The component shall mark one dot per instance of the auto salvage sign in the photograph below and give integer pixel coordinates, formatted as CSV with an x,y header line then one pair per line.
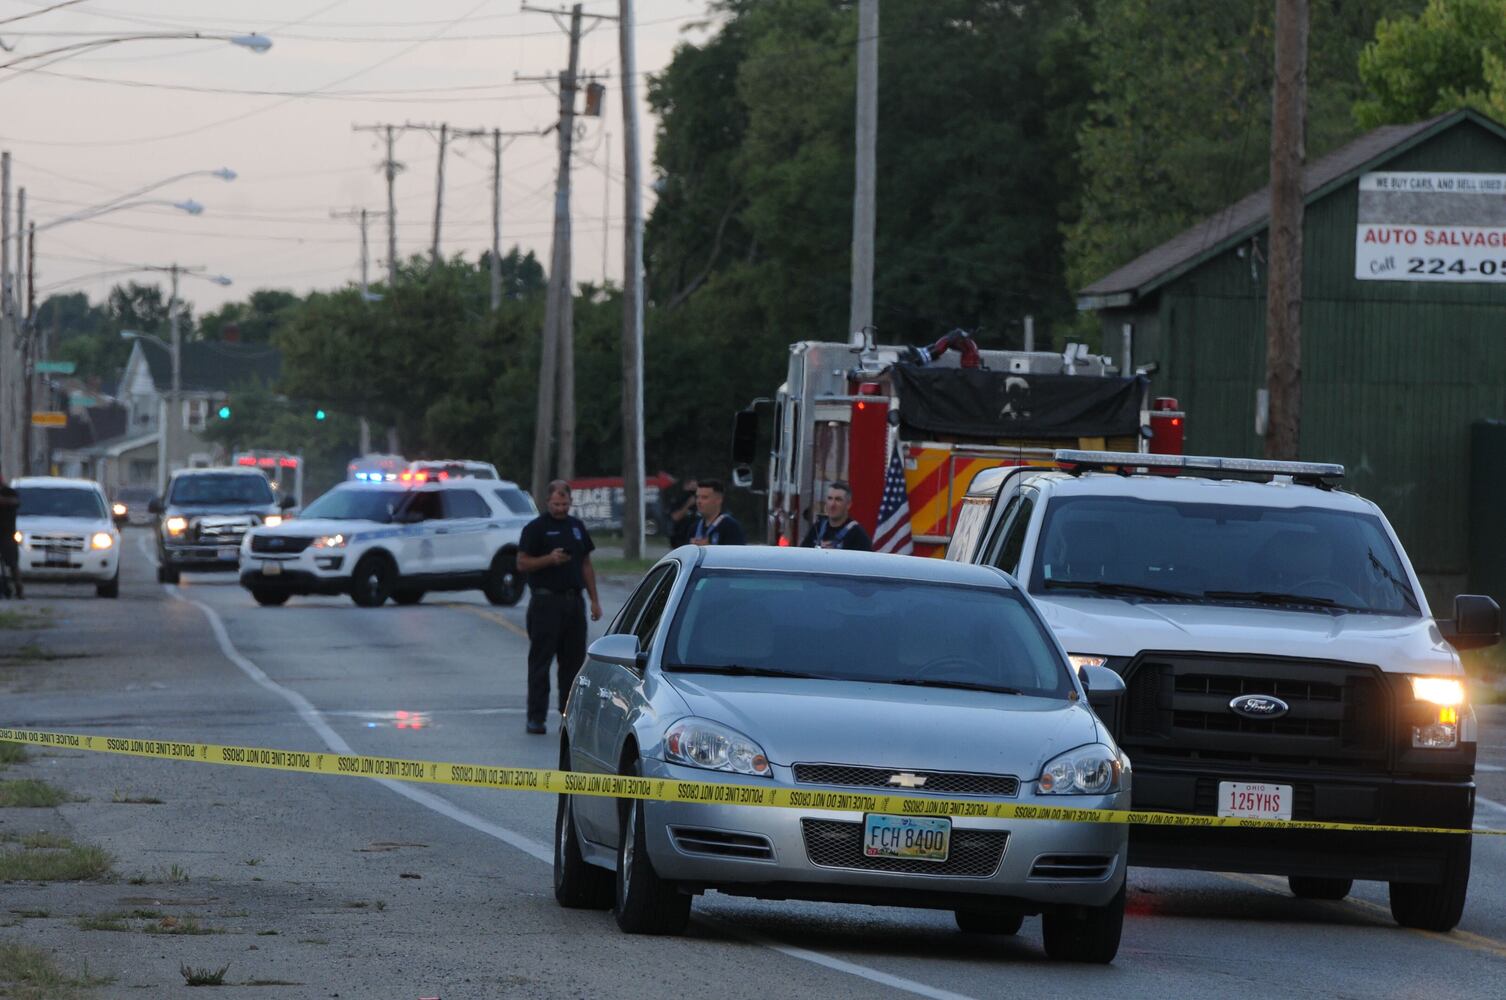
x,y
1431,227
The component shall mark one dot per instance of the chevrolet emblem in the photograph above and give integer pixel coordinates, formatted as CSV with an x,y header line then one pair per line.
x,y
907,780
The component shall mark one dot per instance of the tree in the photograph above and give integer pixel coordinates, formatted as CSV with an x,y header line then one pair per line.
x,y
1450,55
1179,126
253,321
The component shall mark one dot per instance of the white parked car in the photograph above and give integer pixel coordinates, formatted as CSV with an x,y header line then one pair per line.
x,y
66,534
375,540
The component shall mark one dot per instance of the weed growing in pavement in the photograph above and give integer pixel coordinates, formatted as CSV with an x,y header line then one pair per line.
x,y
42,839
34,974
175,873
357,904
270,982
65,861
253,862
134,800
313,941
102,922
266,933
380,904
145,914
12,753
29,793
23,619
203,977
32,914
188,925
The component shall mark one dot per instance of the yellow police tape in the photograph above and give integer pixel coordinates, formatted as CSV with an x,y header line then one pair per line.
x,y
533,779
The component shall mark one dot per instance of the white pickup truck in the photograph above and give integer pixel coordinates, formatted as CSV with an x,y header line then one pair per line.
x,y
1279,657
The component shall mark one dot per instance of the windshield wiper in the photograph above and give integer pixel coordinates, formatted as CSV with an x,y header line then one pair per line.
x,y
1275,597
1404,589
960,685
1126,589
740,670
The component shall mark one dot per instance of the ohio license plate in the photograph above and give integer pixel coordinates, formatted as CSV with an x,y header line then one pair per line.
x,y
1254,801
229,552
271,568
913,838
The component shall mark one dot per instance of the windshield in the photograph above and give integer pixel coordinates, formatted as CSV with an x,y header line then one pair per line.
x,y
59,501
356,505
1121,546
860,629
221,488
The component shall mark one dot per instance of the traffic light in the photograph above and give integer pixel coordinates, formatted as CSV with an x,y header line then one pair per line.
x,y
319,414
224,411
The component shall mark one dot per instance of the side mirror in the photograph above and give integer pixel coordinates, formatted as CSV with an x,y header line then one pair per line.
x,y
120,520
1476,623
620,649
742,477
1101,680
1105,696
154,505
287,503
744,438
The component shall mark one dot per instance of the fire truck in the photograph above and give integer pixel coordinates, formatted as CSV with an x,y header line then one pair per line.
x,y
950,409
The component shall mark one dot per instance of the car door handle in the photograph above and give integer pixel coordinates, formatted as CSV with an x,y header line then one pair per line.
x,y
604,694
441,531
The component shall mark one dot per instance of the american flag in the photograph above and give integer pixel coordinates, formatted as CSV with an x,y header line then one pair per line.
x,y
893,533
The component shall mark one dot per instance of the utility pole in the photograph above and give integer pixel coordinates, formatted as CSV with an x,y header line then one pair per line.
x,y
860,316
606,204
1284,289
557,361
362,216
10,374
444,141
390,167
634,469
496,267
174,415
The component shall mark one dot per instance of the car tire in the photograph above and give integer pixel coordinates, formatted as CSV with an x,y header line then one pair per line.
x,y
989,921
643,902
1085,933
270,598
166,573
1435,907
1314,887
372,581
110,588
504,584
578,884
407,598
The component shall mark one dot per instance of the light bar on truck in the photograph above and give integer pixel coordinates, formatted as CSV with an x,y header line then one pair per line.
x,y
1202,463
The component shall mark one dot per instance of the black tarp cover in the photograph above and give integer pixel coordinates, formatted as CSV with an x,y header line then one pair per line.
x,y
978,403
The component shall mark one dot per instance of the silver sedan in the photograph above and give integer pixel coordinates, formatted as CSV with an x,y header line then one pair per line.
x,y
839,672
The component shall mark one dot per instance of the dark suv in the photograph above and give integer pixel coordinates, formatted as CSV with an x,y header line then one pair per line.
x,y
204,516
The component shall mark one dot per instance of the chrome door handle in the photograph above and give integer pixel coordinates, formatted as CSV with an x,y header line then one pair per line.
x,y
441,531
603,693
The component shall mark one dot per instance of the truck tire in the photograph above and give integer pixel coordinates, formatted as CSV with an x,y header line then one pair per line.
x,y
166,573
110,588
1085,933
373,580
1313,887
269,598
407,598
1438,906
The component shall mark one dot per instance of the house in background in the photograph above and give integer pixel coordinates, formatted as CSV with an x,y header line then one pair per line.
x,y
139,454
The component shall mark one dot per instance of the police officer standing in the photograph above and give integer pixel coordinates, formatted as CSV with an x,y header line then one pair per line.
x,y
714,526
555,551
10,553
837,530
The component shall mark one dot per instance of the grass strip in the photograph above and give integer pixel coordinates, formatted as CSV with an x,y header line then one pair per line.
x,y
30,974
29,793
71,863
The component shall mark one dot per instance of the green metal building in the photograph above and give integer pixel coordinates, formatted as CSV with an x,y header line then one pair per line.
x,y
1403,334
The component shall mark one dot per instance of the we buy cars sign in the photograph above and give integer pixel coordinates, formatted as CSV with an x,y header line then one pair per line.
x,y
1415,226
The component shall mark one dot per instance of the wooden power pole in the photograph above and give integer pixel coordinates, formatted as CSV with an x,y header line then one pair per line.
x,y
633,468
1283,321
860,315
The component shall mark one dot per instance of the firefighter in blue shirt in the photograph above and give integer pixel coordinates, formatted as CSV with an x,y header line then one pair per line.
x,y
837,530
714,526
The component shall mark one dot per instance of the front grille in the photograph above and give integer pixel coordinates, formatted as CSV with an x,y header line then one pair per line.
x,y
279,544
1079,867
73,543
949,782
720,844
1178,707
221,534
833,844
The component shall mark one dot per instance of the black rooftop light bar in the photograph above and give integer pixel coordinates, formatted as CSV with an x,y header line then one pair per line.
x,y
1122,460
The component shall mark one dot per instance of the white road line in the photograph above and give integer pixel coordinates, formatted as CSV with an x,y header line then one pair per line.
x,y
533,848
1488,767
1490,804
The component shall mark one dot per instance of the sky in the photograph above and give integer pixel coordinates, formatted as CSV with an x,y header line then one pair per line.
x,y
156,108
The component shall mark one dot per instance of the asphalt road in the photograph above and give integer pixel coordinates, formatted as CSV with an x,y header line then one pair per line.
x,y
356,888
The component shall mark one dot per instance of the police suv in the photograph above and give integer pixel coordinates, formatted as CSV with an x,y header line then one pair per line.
x,y
1279,658
375,540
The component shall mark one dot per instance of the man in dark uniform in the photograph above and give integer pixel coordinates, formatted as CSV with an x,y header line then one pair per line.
x,y
10,552
682,514
555,552
836,530
714,526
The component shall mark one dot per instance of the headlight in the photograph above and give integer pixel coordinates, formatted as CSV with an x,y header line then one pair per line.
x,y
1438,690
118,509
1080,660
1090,770
330,542
20,538
1443,696
101,540
699,743
272,520
177,525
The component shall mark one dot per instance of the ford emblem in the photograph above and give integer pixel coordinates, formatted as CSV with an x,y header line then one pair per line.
x,y
1259,706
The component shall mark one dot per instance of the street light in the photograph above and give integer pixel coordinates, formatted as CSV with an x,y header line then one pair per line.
x,y
187,205
223,173
254,42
